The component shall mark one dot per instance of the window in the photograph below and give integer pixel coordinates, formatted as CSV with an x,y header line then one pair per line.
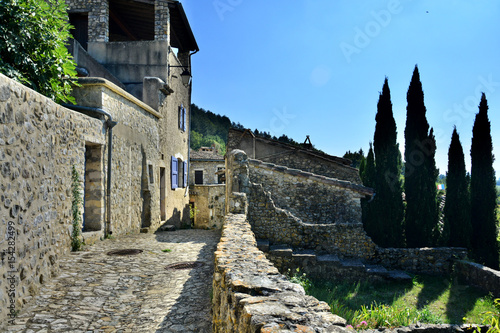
x,y
179,173
198,177
180,168
182,118
221,175
151,176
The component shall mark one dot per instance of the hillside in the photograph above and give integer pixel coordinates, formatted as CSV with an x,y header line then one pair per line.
x,y
208,128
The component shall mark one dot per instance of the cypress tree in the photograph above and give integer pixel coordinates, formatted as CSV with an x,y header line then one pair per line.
x,y
388,200
368,210
420,170
483,191
457,226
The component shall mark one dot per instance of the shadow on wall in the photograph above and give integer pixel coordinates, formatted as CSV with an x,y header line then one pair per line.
x,y
145,192
180,219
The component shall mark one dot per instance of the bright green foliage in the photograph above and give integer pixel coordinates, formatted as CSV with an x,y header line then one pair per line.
x,y
369,213
492,318
208,128
457,228
420,170
388,201
483,191
33,34
75,210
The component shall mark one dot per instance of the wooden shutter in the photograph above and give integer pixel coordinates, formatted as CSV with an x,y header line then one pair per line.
x,y
174,173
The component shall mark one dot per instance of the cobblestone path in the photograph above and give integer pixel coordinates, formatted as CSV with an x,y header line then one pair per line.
x,y
96,292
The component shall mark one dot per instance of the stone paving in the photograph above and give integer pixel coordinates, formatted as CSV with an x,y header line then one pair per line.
x,y
96,292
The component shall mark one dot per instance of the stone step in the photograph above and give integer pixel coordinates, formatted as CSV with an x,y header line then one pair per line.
x,y
328,258
281,250
263,245
352,263
397,276
376,269
167,227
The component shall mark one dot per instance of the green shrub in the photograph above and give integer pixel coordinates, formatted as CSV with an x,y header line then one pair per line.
x,y
33,34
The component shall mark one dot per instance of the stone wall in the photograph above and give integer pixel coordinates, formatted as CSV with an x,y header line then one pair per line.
x,y
249,294
478,275
293,157
312,198
98,16
208,202
434,260
40,142
343,239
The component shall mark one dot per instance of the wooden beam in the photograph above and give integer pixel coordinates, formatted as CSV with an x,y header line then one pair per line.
x,y
122,25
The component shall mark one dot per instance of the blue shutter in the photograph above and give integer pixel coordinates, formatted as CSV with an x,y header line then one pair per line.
x,y
185,173
174,173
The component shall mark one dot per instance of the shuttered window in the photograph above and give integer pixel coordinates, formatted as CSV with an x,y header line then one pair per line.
x,y
174,173
182,118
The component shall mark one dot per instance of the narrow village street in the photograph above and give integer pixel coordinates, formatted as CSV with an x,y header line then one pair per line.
x,y
99,292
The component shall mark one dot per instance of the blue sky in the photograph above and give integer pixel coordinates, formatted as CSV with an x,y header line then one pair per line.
x,y
315,67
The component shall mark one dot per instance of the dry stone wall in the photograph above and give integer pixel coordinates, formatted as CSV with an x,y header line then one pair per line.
x,y
249,294
312,198
40,142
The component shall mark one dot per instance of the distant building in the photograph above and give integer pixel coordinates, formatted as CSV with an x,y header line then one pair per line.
x,y
207,188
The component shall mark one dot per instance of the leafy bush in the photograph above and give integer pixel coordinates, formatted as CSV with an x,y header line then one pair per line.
x,y
33,34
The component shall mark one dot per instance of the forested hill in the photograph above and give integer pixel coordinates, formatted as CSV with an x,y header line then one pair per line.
x,y
208,128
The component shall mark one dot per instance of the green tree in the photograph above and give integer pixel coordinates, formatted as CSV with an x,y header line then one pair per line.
x,y
356,158
367,170
388,199
33,34
420,171
483,191
457,225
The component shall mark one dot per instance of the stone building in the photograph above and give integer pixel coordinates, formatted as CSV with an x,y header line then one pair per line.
x,y
295,157
207,189
144,48
127,136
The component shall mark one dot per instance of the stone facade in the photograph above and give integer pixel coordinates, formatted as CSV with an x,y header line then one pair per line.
x,y
293,157
150,70
134,194
208,204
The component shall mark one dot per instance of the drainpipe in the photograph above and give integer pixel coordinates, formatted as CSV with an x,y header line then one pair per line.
x,y
110,124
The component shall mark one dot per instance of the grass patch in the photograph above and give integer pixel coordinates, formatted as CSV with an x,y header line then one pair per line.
x,y
426,299
166,250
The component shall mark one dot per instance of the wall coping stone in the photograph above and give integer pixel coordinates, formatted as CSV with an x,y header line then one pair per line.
x,y
251,296
322,179
98,81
